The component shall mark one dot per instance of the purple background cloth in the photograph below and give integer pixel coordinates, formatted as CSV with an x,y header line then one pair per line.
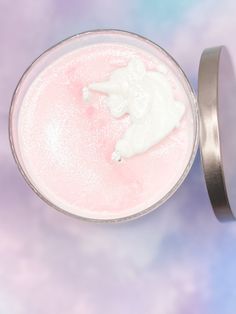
x,y
175,260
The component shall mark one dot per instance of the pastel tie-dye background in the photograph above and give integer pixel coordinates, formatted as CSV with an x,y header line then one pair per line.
x,y
176,260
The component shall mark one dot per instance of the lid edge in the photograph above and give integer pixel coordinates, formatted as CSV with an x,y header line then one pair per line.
x,y
210,148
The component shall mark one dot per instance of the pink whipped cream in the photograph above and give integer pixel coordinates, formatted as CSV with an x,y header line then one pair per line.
x,y
67,137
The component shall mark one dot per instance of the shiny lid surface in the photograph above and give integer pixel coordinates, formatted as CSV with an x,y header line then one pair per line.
x,y
217,105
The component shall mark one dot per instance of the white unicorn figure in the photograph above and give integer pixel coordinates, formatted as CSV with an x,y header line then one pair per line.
x,y
147,97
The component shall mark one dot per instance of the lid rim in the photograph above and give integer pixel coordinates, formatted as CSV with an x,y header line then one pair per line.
x,y
210,146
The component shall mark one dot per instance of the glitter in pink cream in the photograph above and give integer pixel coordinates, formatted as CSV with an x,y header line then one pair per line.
x,y
66,142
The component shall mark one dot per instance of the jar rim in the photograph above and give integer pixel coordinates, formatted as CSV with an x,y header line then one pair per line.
x,y
195,113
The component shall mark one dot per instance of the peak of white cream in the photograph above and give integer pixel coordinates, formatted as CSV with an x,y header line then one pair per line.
x,y
148,98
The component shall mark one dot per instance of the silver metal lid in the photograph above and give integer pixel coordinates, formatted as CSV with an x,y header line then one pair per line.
x,y
217,105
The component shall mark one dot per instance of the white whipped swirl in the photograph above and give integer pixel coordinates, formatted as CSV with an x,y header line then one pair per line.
x,y
148,98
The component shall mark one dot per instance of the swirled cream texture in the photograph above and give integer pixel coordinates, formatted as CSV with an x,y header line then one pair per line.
x,y
148,98
102,101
